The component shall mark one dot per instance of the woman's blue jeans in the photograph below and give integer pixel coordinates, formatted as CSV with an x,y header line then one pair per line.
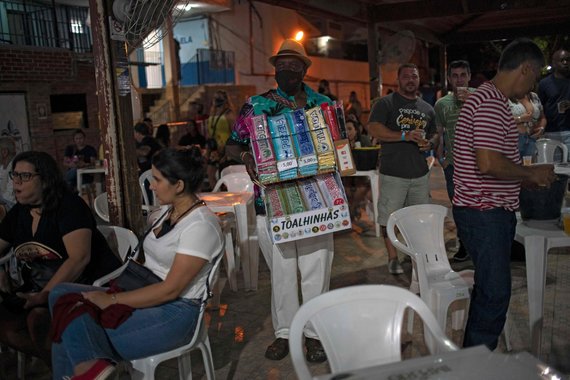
x,y
488,236
527,145
147,332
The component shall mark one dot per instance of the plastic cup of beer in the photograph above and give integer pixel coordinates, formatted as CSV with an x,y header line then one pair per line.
x,y
527,160
461,93
566,220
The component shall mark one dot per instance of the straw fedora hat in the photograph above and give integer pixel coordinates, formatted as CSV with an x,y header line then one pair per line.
x,y
291,48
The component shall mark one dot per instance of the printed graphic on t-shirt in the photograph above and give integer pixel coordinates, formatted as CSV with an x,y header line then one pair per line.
x,y
410,119
32,251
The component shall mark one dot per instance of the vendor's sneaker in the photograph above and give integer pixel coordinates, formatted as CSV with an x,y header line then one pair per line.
x,y
394,267
278,349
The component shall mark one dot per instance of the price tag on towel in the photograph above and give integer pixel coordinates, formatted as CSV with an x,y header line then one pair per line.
x,y
286,164
308,160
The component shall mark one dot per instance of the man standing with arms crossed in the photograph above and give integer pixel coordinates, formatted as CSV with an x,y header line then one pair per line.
x,y
402,121
488,176
446,113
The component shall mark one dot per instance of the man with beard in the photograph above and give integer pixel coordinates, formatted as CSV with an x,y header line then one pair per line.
x,y
554,93
311,257
405,125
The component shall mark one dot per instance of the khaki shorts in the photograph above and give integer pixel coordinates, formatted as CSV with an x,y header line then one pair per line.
x,y
397,193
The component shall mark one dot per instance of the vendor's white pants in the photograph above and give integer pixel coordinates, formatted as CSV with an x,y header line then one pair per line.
x,y
312,257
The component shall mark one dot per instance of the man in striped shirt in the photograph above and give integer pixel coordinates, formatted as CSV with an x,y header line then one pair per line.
x,y
487,178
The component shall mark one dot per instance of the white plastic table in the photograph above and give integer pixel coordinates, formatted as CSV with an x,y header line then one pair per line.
x,y
472,363
241,204
537,240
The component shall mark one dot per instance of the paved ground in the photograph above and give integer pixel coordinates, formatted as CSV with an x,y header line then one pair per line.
x,y
241,329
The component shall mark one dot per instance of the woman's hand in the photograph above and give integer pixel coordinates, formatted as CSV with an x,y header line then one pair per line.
x,y
34,299
99,298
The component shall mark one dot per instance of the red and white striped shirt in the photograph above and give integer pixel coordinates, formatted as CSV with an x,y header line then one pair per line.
x,y
485,122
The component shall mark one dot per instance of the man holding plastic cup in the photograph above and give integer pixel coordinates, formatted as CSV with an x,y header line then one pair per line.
x,y
405,124
446,113
311,257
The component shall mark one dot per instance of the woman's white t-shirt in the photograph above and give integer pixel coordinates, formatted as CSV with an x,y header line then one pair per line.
x,y
196,234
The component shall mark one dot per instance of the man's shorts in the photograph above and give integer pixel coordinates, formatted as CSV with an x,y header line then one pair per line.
x,y
397,193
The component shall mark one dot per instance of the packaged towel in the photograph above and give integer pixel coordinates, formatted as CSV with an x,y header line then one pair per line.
x,y
263,149
311,194
283,147
304,148
321,139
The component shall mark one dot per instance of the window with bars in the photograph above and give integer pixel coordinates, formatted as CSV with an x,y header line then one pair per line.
x,y
34,23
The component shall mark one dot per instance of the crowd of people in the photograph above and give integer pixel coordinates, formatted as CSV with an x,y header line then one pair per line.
x,y
478,134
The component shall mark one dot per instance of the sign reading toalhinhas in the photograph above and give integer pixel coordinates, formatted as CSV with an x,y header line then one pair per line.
x,y
310,223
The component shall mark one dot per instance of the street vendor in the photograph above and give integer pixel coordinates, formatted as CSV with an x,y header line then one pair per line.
x,y
312,256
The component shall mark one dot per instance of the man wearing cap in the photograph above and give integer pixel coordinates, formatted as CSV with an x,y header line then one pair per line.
x,y
312,257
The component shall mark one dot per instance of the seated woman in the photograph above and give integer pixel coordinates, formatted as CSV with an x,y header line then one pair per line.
x,y
55,240
358,192
180,250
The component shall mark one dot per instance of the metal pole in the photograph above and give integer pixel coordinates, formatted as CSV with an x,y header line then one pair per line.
x,y
373,68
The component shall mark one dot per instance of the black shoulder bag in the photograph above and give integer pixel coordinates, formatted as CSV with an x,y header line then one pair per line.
x,y
134,274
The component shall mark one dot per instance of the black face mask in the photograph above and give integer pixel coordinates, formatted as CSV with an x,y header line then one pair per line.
x,y
289,81
219,102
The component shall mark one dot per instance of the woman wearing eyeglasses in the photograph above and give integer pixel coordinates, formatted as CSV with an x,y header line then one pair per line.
x,y
179,249
55,239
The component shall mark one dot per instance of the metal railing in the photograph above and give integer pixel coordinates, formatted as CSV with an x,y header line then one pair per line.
x,y
33,23
209,66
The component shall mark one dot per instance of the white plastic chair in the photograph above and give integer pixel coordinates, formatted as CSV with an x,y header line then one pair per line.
x,y
359,326
126,241
147,366
545,149
235,182
148,203
101,206
439,286
233,169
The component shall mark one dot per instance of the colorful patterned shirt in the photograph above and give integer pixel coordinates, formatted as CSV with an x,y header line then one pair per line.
x,y
271,103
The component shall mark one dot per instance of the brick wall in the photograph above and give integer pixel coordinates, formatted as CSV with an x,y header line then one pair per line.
x,y
41,72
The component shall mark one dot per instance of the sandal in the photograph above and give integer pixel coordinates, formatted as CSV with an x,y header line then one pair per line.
x,y
315,351
278,349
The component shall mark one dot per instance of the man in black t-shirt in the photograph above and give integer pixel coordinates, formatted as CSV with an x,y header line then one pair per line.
x,y
192,137
405,125
76,156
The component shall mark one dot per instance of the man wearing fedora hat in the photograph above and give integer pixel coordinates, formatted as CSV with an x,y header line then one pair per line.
x,y
311,257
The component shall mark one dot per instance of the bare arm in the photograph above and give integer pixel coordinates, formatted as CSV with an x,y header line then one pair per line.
x,y
493,163
184,269
385,134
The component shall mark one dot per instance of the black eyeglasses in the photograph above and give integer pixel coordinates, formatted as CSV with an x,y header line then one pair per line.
x,y
22,177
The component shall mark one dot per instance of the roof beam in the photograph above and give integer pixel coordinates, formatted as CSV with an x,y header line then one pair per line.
x,y
511,33
421,9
